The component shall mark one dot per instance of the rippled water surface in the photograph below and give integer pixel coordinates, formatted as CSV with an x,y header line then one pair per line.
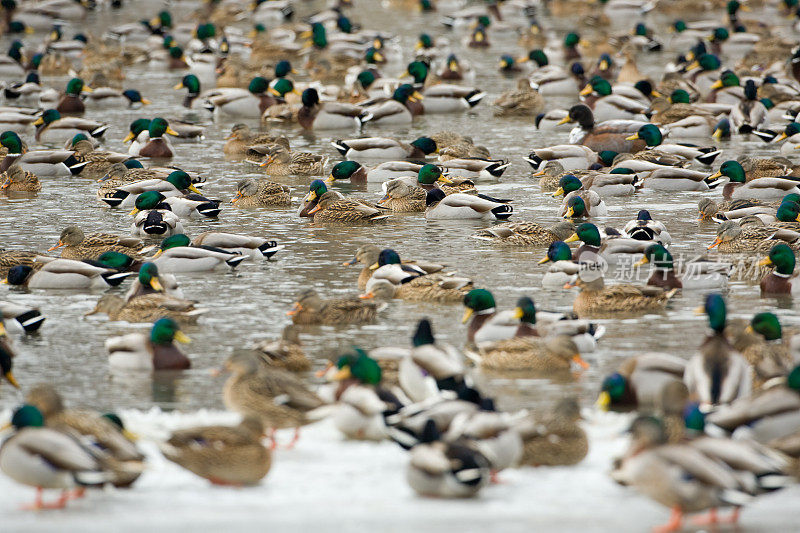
x,y
250,303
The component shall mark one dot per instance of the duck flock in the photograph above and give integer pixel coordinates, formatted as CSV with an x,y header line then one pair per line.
x,y
391,131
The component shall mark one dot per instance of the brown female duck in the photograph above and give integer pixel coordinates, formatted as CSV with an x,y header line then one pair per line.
x,y
609,135
597,299
17,180
261,193
309,308
77,245
286,352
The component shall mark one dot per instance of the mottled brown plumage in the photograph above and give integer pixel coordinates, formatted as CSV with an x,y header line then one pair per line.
x,y
311,309
261,193
76,245
148,308
555,438
597,299
526,233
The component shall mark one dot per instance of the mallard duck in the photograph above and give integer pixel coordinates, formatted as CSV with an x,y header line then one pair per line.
x,y
417,287
151,217
241,138
148,308
40,162
569,156
20,317
385,148
286,352
347,170
597,299
525,233
6,357
49,459
644,228
730,209
440,206
733,238
176,254
620,181
717,374
149,279
779,281
576,208
553,80
157,146
522,101
250,102
247,245
653,138
251,192
400,109
400,196
555,438
99,429
570,186
99,162
276,397
696,275
12,258
530,354
611,135
697,475
177,184
65,274
445,470
71,103
369,255
316,115
110,97
52,128
224,455
639,381
749,114
330,208
17,180
763,345
156,351
606,105
738,187
768,416
284,163
309,308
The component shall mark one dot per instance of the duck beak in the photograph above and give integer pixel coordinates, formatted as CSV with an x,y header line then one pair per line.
x,y
518,313
570,213
580,360
643,261
194,189
716,243
296,308
716,85
384,199
714,176
310,197
158,253
129,137
6,184
295,91
237,197
693,65
57,246
178,86
11,379
329,180
603,401
540,172
632,137
38,122
134,211
765,262
655,94
699,310
87,89
351,262
273,91
717,133
564,120
367,296
586,91
156,285
374,266
267,161
182,337
417,95
574,237
316,208
321,373
172,132
467,314
445,179
145,101
568,285
781,137
342,374
543,260
558,192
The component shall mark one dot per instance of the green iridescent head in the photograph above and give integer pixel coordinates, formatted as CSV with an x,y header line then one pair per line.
x,y
75,87
158,127
27,416
525,310
164,331
576,207
659,257
733,170
12,141
539,57
429,174
680,96
423,334
425,144
588,233
175,241
479,300
258,85
650,134
767,325
360,366
783,258
344,170
567,184
559,251
115,260
419,71
571,40
716,312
